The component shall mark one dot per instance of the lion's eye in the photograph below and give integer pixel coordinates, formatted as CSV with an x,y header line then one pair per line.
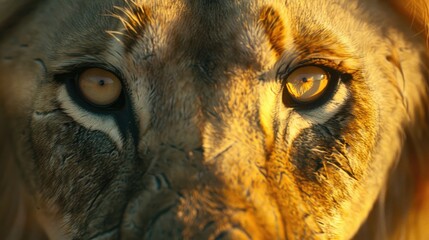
x,y
99,87
306,85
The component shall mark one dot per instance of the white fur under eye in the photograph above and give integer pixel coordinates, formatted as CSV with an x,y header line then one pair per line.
x,y
303,119
105,124
326,111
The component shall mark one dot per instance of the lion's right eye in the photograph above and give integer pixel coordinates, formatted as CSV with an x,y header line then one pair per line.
x,y
309,86
99,87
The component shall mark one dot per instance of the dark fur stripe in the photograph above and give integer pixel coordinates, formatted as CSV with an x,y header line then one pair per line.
x,y
274,28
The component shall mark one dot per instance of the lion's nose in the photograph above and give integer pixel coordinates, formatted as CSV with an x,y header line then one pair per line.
x,y
233,234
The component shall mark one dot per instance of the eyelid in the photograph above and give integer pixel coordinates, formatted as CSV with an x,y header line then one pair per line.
x,y
71,69
286,69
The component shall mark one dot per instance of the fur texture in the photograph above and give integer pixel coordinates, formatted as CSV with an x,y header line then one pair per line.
x,y
203,146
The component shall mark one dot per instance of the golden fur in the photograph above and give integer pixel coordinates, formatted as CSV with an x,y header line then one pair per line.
x,y
204,147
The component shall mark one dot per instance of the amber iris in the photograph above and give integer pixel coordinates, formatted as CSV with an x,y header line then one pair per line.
x,y
99,87
307,84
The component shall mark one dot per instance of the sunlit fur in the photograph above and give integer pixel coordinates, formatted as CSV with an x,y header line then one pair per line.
x,y
206,148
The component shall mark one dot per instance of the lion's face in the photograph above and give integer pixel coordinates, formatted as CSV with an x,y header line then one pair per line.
x,y
213,119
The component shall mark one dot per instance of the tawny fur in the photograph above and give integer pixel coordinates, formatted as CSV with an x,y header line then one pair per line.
x,y
215,148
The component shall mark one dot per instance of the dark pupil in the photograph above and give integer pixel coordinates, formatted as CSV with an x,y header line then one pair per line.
x,y
101,82
304,79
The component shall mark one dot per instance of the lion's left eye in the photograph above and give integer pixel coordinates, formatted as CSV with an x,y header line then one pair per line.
x,y
306,86
99,87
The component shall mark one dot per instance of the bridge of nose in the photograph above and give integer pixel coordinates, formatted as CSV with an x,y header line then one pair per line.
x,y
208,148
204,133
208,190
208,152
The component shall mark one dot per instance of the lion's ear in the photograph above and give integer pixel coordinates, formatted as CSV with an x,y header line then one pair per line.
x,y
417,13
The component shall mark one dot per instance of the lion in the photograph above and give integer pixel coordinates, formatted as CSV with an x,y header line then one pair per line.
x,y
199,119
